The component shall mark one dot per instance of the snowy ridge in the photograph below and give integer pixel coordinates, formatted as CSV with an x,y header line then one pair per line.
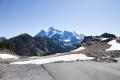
x,y
70,57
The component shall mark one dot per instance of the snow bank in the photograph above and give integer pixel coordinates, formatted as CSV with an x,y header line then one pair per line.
x,y
7,56
70,57
78,49
114,45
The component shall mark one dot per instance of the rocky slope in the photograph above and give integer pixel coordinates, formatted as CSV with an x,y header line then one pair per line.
x,y
103,48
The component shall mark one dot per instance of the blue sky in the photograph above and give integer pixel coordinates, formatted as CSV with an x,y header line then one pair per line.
x,y
89,17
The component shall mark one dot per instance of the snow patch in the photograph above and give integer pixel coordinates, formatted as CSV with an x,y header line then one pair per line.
x,y
78,49
103,39
67,40
77,33
54,32
114,45
70,57
7,56
78,37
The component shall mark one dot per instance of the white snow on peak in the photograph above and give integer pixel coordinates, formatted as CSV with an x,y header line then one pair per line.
x,y
77,37
70,57
8,56
78,49
103,39
76,33
114,45
54,32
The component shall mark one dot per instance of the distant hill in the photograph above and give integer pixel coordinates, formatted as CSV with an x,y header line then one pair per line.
x,y
26,45
2,39
97,43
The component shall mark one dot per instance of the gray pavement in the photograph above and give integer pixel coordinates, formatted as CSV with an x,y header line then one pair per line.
x,y
84,71
79,70
23,72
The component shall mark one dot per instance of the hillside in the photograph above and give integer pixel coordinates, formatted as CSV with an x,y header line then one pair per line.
x,y
105,47
26,45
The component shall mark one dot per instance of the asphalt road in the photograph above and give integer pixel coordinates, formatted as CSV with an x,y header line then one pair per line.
x,y
81,70
84,71
23,72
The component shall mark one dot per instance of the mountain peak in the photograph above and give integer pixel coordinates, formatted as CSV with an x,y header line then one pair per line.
x,y
24,34
51,29
61,36
108,35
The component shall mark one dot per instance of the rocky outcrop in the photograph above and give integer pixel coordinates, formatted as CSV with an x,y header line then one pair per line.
x,y
104,56
108,35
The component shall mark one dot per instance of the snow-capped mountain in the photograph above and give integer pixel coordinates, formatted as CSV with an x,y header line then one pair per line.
x,y
62,36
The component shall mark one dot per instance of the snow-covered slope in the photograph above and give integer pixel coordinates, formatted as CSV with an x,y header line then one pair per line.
x,y
114,45
70,57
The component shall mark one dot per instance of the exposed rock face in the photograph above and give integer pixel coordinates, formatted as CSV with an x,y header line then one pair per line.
x,y
108,35
23,45
104,56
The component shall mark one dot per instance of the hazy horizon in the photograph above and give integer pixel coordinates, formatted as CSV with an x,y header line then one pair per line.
x,y
89,17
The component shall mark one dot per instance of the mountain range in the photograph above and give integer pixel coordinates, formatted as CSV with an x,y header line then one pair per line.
x,y
71,38
44,43
52,41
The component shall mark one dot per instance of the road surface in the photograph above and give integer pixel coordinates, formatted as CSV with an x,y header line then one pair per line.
x,y
84,71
